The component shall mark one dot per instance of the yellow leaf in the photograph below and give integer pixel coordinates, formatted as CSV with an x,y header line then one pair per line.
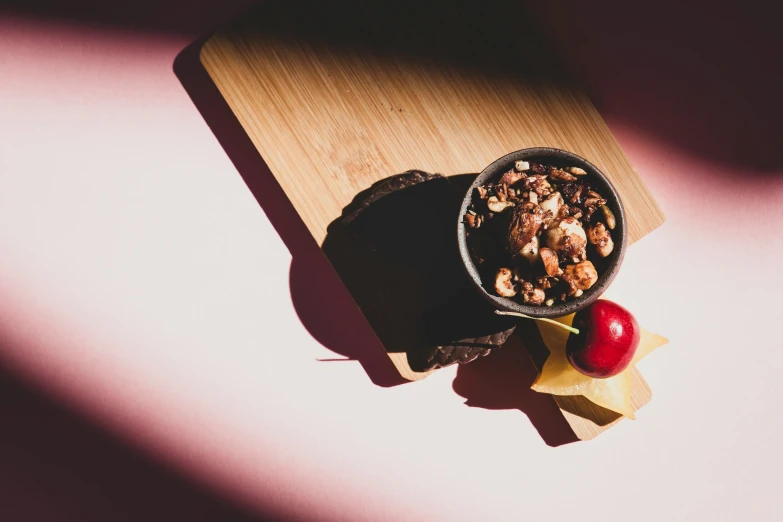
x,y
559,377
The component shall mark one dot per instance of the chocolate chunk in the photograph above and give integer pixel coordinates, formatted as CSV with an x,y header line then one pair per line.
x,y
538,168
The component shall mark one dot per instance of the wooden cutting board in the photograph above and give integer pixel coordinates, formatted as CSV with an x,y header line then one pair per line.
x,y
338,96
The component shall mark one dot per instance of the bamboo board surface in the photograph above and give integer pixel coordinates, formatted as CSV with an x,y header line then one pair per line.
x,y
337,97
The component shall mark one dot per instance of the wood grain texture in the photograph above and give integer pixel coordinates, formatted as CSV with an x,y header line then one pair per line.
x,y
337,97
589,420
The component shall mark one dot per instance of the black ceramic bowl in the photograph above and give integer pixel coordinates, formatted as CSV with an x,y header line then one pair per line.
x,y
610,265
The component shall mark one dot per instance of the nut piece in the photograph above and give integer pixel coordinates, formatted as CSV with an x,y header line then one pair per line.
x,y
503,284
573,192
511,177
575,211
576,171
533,297
473,220
482,192
568,239
495,205
609,215
538,184
530,250
521,165
594,202
544,282
551,262
599,236
538,168
523,227
580,277
553,203
560,175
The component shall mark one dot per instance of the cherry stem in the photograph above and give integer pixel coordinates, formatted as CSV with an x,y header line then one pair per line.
x,y
550,321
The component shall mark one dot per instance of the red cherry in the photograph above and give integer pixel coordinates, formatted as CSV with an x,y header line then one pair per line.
x,y
607,340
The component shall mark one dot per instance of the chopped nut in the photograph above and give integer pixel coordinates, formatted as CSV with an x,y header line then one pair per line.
x,y
594,202
561,175
530,250
534,297
538,168
599,236
569,190
589,211
544,282
580,276
503,284
548,218
567,238
555,217
523,227
495,205
551,261
511,177
521,165
575,211
538,184
578,195
553,203
606,249
609,215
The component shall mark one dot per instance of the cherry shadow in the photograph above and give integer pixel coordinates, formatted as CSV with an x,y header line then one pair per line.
x,y
58,466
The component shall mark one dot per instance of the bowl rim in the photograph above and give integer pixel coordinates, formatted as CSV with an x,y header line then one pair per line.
x,y
608,191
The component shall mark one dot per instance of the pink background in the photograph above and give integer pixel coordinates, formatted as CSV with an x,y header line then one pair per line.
x,y
153,364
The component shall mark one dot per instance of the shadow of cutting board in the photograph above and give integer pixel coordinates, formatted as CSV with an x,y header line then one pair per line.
x,y
340,95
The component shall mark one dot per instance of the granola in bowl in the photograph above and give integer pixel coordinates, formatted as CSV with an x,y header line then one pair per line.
x,y
541,231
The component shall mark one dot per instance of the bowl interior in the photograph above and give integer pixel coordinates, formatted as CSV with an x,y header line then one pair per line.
x,y
610,265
